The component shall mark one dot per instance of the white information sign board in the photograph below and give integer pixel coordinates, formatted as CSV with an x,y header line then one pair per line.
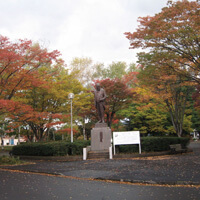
x,y
128,137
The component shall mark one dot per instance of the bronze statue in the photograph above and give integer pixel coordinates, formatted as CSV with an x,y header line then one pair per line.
x,y
99,98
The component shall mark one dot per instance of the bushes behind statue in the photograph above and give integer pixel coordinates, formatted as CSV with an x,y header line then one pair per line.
x,y
58,148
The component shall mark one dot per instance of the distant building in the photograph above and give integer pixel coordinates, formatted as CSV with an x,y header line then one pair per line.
x,y
10,141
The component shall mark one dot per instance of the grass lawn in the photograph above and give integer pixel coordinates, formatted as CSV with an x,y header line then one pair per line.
x,y
6,148
7,160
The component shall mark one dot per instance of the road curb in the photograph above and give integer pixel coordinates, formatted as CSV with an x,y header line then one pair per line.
x,y
117,180
170,183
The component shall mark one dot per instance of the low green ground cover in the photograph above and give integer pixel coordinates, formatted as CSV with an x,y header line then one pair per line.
x,y
6,148
7,160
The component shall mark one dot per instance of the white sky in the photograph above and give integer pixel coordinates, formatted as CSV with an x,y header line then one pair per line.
x,y
78,28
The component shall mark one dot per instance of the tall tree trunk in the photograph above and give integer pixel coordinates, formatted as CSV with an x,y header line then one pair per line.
x,y
177,112
110,118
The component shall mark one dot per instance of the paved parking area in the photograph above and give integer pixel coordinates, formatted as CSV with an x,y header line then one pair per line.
x,y
183,169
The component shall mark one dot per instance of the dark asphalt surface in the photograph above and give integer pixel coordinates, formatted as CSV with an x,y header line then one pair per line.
x,y
180,169
28,186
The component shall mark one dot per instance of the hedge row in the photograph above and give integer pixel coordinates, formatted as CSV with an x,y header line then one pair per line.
x,y
59,148
154,144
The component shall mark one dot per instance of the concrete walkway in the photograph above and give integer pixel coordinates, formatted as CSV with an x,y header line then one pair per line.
x,y
180,169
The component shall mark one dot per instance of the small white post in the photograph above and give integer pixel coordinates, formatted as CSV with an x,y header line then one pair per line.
x,y
139,148
84,153
114,149
110,153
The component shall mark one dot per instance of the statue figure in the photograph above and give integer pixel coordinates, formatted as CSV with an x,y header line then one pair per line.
x,y
99,97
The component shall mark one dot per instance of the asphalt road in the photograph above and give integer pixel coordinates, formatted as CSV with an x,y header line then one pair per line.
x,y
29,186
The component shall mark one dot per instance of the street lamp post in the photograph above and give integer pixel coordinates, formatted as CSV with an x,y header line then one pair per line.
x,y
71,96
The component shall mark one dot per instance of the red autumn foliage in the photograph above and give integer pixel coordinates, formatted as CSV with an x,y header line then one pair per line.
x,y
19,65
67,130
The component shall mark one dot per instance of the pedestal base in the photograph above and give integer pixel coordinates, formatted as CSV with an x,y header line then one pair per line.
x,y
100,137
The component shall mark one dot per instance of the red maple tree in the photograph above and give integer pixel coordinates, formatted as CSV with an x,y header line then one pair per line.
x,y
19,65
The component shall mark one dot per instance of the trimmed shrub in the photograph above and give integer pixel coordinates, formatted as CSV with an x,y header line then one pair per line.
x,y
59,148
154,144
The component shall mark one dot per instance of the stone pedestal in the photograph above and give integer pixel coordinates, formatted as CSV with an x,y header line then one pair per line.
x,y
100,137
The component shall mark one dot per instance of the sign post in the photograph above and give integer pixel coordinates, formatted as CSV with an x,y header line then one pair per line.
x,y
128,137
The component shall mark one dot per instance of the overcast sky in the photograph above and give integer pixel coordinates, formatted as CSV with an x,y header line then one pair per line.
x,y
78,28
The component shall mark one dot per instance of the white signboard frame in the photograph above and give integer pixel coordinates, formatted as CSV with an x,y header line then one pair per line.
x,y
127,137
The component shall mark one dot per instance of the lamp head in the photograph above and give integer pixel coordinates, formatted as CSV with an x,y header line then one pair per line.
x,y
71,96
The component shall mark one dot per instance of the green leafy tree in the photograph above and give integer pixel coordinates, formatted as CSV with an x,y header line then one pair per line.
x,y
114,70
147,119
83,69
